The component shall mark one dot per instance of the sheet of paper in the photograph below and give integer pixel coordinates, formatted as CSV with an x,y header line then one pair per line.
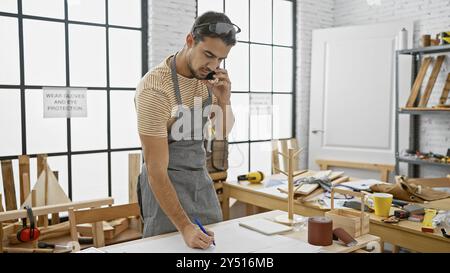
x,y
294,246
91,250
230,238
362,184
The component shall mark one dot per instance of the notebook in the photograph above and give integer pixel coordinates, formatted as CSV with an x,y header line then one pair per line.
x,y
265,226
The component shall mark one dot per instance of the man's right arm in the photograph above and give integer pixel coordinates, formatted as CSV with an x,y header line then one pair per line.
x,y
156,154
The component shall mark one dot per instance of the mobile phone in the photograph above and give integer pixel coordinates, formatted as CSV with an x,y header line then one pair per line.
x,y
210,75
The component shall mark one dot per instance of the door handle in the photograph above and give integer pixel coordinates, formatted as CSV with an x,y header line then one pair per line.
x,y
317,131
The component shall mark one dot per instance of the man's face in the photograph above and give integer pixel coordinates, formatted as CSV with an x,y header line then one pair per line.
x,y
206,55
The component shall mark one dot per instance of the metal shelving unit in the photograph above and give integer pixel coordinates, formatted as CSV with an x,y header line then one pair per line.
x,y
415,113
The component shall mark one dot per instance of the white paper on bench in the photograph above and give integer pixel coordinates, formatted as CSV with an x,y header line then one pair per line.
x,y
229,238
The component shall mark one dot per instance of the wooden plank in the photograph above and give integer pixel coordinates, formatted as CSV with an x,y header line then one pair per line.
x,y
8,185
284,150
431,81
418,82
40,164
1,203
24,168
275,157
41,210
134,164
55,216
445,91
107,214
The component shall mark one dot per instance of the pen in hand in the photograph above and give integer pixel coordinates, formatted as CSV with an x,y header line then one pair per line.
x,y
202,228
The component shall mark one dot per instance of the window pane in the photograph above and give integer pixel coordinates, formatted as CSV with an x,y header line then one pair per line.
x,y
237,11
260,116
240,106
261,21
124,13
282,116
43,135
87,10
44,53
8,6
237,160
89,176
261,157
209,5
124,132
87,55
282,69
125,57
261,68
45,8
10,122
282,22
119,176
9,51
237,67
56,163
91,133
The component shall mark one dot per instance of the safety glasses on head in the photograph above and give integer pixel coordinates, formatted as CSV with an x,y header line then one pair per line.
x,y
219,28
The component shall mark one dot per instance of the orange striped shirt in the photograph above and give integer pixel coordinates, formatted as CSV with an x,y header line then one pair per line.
x,y
155,98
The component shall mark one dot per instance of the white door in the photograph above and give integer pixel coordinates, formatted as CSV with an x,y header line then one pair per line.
x,y
352,106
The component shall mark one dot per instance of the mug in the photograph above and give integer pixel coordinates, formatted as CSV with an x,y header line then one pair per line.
x,y
381,203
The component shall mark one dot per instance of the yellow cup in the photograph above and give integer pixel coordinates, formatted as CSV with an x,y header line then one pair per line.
x,y
381,203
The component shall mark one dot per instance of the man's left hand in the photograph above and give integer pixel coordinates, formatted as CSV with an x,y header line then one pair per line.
x,y
220,86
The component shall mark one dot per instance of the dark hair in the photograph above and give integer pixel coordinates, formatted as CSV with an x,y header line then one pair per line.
x,y
203,31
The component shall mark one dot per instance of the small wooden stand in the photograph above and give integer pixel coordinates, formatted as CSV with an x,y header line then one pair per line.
x,y
288,219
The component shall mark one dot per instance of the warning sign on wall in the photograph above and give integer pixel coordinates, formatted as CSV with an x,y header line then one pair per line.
x,y
61,102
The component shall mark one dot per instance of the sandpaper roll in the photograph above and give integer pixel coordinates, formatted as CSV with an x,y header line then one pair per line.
x,y
342,235
320,231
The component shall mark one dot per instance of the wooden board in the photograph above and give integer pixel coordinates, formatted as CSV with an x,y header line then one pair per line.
x,y
55,195
431,81
24,168
445,91
418,82
134,164
8,185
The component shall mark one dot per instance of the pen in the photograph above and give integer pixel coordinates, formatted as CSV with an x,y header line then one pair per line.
x,y
202,228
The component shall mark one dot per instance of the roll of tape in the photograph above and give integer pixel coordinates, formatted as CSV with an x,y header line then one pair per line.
x,y
320,231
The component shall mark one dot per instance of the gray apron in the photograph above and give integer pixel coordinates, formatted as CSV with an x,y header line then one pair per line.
x,y
188,174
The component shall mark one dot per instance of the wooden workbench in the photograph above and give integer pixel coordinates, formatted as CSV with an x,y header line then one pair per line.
x,y
405,234
300,235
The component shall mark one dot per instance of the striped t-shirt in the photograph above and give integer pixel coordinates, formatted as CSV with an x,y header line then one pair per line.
x,y
155,98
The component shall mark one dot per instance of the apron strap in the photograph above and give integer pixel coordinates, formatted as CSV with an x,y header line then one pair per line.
x,y
173,68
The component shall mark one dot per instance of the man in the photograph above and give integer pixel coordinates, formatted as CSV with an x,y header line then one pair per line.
x,y
175,187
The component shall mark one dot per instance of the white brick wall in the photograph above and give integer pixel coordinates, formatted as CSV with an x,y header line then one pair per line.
x,y
311,15
169,22
431,17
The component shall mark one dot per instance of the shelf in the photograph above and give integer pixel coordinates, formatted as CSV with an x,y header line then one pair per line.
x,y
425,50
424,111
422,162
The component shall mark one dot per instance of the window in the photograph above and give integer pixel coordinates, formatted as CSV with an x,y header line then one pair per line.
x,y
100,45
261,69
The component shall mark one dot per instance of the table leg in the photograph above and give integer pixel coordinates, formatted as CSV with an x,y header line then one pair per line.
x,y
225,204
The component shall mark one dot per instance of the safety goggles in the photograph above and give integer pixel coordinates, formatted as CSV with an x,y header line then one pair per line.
x,y
219,28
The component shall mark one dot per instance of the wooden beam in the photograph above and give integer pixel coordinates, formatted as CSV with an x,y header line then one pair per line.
x,y
431,81
445,91
42,210
55,216
134,164
24,168
418,82
40,164
8,185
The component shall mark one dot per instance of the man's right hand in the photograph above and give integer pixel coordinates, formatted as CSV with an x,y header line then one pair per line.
x,y
195,238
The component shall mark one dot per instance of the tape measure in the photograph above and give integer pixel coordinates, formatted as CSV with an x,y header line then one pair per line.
x,y
427,224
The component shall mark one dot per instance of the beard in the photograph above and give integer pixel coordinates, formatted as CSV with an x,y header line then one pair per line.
x,y
192,70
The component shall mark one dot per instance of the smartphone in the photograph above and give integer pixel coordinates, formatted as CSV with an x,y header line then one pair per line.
x,y
210,75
